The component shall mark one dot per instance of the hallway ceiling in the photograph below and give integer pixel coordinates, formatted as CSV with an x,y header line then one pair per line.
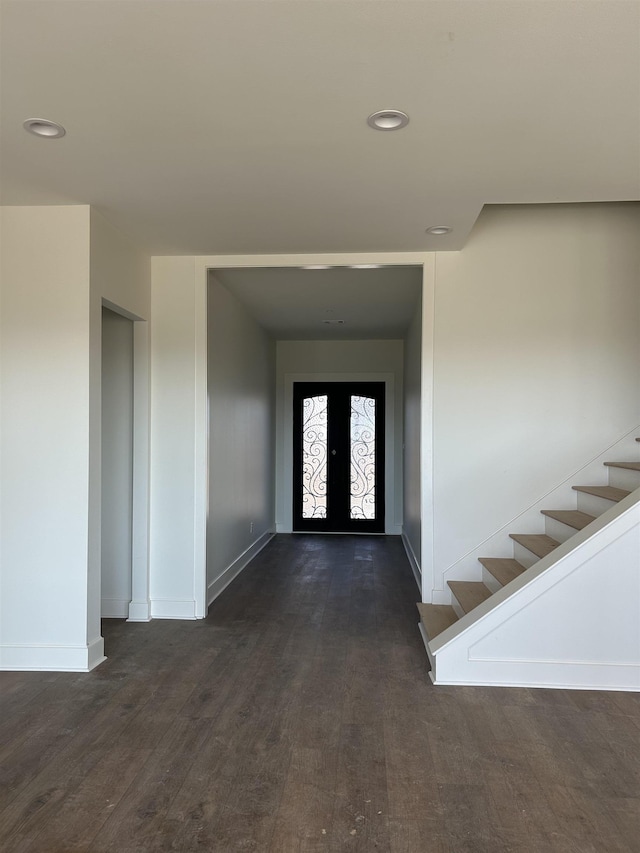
x,y
333,304
239,126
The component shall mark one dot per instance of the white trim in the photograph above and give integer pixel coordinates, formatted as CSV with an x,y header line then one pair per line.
x,y
202,265
413,561
426,427
114,608
217,586
57,658
139,611
167,608
201,448
140,495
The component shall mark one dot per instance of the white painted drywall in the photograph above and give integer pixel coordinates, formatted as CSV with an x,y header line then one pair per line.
x,y
241,390
411,526
58,265
117,463
174,363
536,357
45,439
325,360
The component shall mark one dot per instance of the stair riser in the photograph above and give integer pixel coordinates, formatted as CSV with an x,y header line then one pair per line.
x,y
558,530
489,581
456,606
523,555
593,505
623,478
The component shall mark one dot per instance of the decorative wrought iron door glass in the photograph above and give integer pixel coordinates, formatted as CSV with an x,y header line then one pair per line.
x,y
363,457
314,457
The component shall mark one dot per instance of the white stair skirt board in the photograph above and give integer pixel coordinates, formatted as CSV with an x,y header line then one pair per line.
x,y
233,570
570,621
114,608
530,520
52,658
167,608
413,561
139,611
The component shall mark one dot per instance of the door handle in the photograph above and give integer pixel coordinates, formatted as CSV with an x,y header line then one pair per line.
x,y
333,452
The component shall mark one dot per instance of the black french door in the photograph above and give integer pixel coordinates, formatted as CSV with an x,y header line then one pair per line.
x,y
338,457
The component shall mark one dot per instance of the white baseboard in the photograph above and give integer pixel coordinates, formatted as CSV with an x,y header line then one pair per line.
x,y
167,608
139,611
233,570
41,657
413,561
114,608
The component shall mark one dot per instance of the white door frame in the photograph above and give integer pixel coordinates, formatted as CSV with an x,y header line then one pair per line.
x,y
203,264
139,607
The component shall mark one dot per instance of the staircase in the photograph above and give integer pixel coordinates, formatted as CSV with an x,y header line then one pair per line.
x,y
598,506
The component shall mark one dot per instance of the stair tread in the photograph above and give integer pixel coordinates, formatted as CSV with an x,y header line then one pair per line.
x,y
538,544
609,493
631,466
504,570
469,594
572,517
436,618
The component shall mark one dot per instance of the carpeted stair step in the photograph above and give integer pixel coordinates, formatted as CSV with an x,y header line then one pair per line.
x,y
503,570
436,618
538,544
609,493
571,517
469,594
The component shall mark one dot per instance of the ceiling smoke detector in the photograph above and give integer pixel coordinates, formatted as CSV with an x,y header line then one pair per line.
x,y
439,230
45,128
388,120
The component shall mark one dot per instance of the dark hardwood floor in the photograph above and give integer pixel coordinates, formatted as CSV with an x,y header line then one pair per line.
x,y
299,717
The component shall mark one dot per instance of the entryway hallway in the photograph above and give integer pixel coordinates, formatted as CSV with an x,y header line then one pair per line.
x,y
299,716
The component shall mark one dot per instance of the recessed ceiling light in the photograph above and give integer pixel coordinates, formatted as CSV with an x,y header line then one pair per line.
x,y
388,120
44,127
316,267
439,230
365,266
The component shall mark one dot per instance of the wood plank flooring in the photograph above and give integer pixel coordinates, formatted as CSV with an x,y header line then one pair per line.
x,y
299,718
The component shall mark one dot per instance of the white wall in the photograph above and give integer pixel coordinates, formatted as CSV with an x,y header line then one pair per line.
x,y
411,527
57,265
117,463
333,360
177,531
45,439
536,357
241,390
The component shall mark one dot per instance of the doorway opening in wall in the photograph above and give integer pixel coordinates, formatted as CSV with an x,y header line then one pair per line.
x,y
271,329
123,590
117,465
